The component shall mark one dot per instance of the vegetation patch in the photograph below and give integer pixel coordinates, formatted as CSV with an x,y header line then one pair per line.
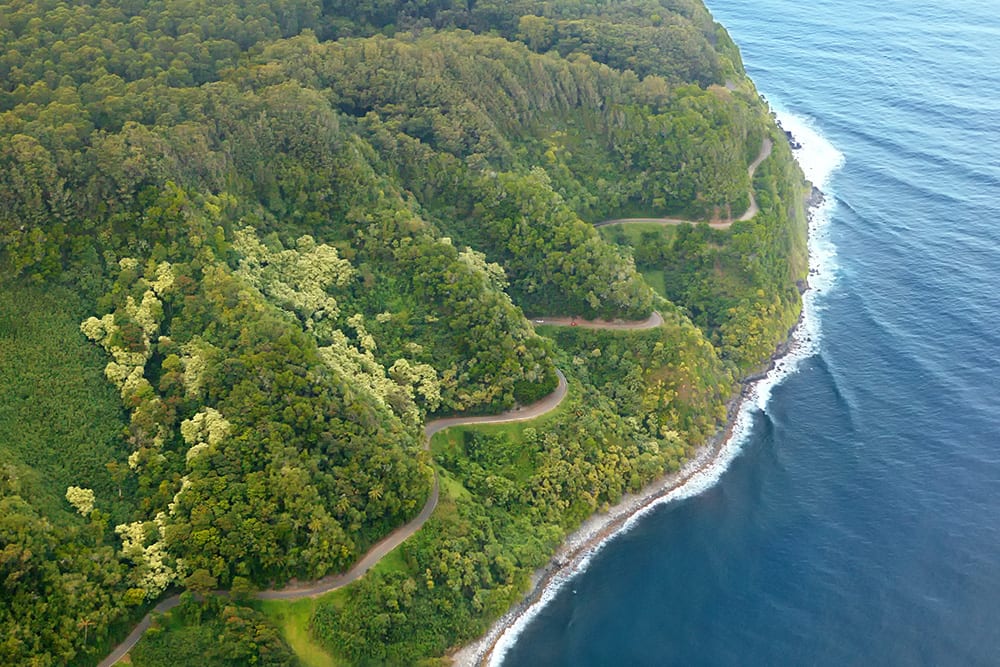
x,y
215,633
293,619
249,250
60,420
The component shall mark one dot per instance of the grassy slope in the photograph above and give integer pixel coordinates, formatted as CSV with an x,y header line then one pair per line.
x,y
631,235
634,230
292,618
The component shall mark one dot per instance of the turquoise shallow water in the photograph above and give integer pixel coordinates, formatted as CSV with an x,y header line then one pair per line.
x,y
860,522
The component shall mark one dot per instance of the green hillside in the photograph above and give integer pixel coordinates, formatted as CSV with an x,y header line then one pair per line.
x,y
248,250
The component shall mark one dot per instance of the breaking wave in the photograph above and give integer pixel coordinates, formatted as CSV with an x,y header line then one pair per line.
x,y
819,160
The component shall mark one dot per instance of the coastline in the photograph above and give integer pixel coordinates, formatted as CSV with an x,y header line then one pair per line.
x,y
600,528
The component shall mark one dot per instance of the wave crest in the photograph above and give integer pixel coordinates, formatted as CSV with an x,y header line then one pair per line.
x,y
819,160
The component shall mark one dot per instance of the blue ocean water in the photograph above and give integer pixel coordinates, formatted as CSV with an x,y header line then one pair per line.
x,y
859,523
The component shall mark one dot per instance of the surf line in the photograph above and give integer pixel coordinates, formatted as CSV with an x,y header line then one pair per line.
x,y
713,458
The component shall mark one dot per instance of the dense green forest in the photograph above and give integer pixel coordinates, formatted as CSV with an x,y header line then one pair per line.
x,y
247,250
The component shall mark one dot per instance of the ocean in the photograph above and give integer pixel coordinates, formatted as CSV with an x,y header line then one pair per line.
x,y
855,517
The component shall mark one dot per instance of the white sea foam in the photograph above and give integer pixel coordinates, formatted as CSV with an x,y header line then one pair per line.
x,y
819,159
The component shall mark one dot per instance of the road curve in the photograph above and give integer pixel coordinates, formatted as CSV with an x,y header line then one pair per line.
x,y
401,534
133,637
765,152
380,548
650,322
378,551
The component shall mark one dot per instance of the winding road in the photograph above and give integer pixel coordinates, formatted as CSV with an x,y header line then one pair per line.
x,y
401,534
650,322
765,152
296,591
379,550
398,536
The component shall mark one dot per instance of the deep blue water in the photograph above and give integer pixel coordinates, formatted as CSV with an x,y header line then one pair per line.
x,y
860,524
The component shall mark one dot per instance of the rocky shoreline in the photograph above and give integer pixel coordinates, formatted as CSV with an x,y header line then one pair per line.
x,y
580,545
596,530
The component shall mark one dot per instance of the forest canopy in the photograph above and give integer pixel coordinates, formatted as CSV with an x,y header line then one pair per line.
x,y
249,249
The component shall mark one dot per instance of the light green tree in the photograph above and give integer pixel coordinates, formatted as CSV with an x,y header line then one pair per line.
x,y
82,499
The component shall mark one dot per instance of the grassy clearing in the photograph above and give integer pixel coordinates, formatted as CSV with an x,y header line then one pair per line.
x,y
60,420
632,233
391,562
450,438
656,280
451,488
639,233
450,444
292,618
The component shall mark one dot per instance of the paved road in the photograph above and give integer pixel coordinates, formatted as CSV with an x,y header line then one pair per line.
x,y
395,538
398,536
765,151
133,637
379,549
401,534
650,322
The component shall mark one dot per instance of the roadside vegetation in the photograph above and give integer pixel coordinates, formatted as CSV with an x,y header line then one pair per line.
x,y
248,250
